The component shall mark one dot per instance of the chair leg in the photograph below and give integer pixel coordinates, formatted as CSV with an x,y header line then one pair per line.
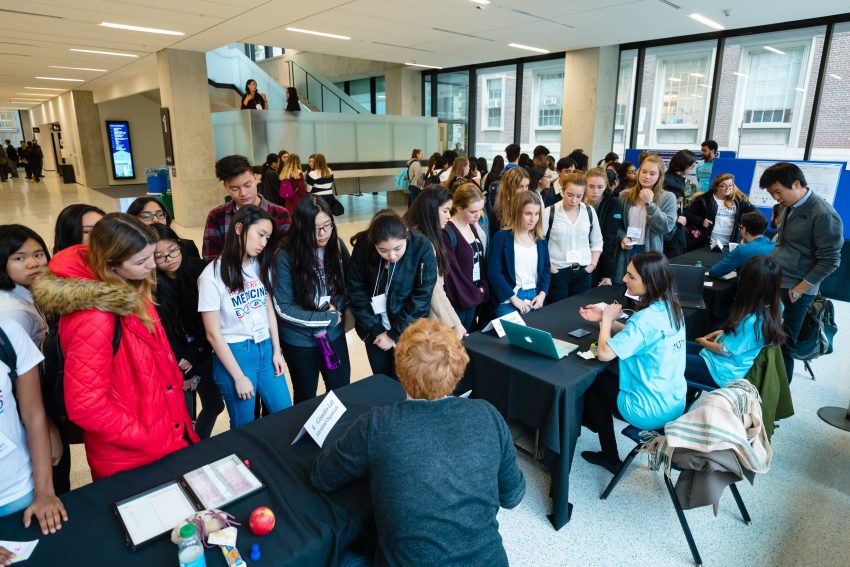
x,y
628,461
744,514
683,521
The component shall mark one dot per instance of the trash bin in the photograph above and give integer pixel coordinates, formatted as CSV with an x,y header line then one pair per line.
x,y
157,179
67,172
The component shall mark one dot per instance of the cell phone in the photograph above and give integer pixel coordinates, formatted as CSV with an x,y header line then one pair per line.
x,y
579,333
325,306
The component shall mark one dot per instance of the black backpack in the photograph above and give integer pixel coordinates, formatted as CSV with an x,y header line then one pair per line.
x,y
552,221
8,355
818,330
53,380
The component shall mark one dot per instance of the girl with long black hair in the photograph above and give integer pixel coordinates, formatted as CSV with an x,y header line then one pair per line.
x,y
754,322
390,280
650,389
310,299
239,318
428,216
74,224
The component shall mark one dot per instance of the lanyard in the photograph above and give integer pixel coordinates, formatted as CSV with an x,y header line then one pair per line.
x,y
389,278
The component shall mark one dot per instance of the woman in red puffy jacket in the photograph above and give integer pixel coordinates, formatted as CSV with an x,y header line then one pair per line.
x,y
130,406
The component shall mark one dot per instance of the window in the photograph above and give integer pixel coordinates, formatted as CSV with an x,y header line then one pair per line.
x,y
832,136
453,106
772,85
683,98
426,97
380,95
494,88
625,100
7,121
550,90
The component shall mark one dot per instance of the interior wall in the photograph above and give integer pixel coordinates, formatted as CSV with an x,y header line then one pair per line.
x,y
145,134
61,110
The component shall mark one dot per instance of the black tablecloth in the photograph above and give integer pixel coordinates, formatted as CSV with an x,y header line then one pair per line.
x,y
548,394
719,295
311,528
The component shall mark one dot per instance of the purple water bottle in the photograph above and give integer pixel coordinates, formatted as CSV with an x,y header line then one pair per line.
x,y
331,357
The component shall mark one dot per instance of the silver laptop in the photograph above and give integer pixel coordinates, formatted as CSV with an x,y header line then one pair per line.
x,y
537,341
690,285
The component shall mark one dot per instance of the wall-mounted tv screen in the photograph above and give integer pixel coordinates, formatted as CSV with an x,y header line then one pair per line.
x,y
120,150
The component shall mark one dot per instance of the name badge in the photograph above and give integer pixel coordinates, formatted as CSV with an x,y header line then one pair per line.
x,y
259,329
573,257
634,232
476,271
379,304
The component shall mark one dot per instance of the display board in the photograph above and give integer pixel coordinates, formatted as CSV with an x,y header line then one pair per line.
x,y
120,149
822,178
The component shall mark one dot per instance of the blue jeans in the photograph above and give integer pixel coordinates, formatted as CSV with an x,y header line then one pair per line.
x,y
255,361
18,505
634,251
505,308
696,369
792,322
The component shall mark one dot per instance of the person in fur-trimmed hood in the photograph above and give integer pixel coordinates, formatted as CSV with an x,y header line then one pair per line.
x,y
130,406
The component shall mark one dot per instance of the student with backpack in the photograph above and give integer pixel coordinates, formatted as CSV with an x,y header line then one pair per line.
x,y
292,187
239,318
414,175
518,263
466,279
755,320
128,400
27,480
575,241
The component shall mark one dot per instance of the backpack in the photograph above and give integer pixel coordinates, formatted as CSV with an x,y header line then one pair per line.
x,y
8,355
552,221
818,330
287,190
53,380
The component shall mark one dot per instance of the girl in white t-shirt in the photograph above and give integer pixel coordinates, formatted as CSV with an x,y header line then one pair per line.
x,y
27,480
235,304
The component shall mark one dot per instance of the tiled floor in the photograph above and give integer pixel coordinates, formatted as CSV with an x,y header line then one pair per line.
x,y
800,509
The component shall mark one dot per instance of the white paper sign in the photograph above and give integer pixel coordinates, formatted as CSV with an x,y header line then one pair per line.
x,y
513,317
322,420
822,179
21,549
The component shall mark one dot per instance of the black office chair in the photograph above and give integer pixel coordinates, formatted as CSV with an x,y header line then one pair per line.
x,y
636,435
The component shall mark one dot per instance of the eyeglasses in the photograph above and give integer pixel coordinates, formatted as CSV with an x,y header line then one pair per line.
x,y
149,216
163,258
324,229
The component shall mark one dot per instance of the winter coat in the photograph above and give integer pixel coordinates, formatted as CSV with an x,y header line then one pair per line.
x,y
130,406
610,215
705,207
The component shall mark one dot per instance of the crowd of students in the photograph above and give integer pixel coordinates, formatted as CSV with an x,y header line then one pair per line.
x,y
138,322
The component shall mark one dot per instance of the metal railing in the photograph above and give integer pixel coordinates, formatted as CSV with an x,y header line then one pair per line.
x,y
322,94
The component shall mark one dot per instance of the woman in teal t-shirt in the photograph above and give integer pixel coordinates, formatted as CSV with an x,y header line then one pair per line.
x,y
755,320
650,389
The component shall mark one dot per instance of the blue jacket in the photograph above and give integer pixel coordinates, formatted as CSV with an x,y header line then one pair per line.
x,y
501,268
739,256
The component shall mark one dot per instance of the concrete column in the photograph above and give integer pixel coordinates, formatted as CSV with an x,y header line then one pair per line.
x,y
404,91
89,141
183,90
590,89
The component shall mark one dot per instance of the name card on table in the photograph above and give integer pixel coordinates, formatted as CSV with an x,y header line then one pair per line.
x,y
513,317
322,420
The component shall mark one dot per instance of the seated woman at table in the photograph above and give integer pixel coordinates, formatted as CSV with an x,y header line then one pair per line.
x,y
518,263
755,321
390,280
128,402
715,216
466,280
753,243
609,211
27,480
575,241
439,467
650,389
428,216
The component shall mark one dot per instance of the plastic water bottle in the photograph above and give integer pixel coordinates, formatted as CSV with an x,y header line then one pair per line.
x,y
190,552
331,357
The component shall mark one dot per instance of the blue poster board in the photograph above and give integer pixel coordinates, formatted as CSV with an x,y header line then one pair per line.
x,y
120,150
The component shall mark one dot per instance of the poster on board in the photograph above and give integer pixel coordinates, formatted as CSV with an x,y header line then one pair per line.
x,y
822,178
120,151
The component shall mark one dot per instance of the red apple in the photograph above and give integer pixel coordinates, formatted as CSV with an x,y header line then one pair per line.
x,y
261,521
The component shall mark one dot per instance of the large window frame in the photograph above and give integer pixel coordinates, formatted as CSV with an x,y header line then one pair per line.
x,y
829,22
486,101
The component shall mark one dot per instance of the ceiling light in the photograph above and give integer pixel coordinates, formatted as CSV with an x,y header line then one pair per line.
x,y
323,34
528,47
482,2
60,79
834,76
674,79
802,90
421,65
78,68
36,95
705,21
140,29
95,51
697,75
774,50
743,76
44,89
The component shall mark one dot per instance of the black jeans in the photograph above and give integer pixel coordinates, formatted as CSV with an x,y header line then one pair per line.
x,y
600,408
466,316
305,364
212,403
567,283
381,361
792,322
